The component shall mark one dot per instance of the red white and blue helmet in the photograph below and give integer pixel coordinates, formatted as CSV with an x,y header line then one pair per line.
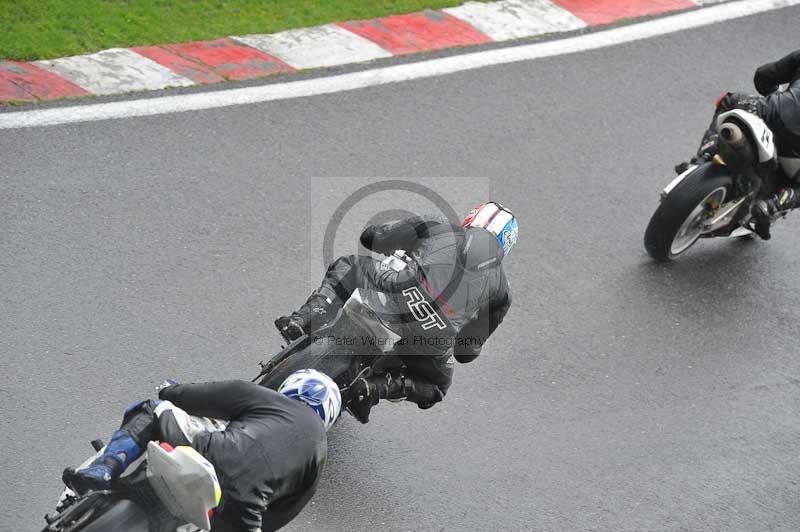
x,y
317,390
496,219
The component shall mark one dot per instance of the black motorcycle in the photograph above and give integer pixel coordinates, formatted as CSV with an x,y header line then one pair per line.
x,y
714,199
163,491
357,343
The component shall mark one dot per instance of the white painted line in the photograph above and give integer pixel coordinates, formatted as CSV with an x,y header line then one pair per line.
x,y
115,71
514,19
391,74
322,46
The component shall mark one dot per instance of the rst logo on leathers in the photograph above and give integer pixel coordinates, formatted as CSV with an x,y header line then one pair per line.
x,y
422,310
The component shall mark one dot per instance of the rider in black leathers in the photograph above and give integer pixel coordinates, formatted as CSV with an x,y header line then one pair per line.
x,y
780,110
268,458
449,299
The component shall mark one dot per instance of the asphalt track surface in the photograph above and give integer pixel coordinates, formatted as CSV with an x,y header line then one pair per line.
x,y
619,395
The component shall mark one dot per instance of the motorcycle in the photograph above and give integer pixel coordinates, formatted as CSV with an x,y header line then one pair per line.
x,y
166,490
713,199
151,497
358,342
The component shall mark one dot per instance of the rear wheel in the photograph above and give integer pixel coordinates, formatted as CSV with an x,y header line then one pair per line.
x,y
678,222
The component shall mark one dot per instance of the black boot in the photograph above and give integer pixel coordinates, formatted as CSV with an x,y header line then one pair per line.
x,y
761,214
363,396
422,392
365,393
764,210
120,452
314,313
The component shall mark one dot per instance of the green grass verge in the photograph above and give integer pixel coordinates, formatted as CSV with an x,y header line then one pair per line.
x,y
43,29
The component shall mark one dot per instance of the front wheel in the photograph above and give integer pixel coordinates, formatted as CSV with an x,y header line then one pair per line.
x,y
123,516
332,362
678,222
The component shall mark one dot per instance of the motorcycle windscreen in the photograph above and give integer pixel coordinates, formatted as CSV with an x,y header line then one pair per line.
x,y
377,315
409,322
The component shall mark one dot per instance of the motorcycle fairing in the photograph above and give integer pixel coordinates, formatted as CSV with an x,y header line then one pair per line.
x,y
765,142
364,314
759,132
186,483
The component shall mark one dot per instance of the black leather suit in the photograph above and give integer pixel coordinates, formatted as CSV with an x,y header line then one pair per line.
x,y
447,301
268,458
780,110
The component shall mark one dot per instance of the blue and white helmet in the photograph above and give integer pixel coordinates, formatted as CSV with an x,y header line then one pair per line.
x,y
496,219
317,390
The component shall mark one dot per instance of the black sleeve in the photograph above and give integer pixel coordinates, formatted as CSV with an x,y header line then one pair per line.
x,y
282,511
784,70
781,108
403,234
228,450
473,335
221,400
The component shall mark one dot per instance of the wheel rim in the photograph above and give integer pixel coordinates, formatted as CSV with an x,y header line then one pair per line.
x,y
692,227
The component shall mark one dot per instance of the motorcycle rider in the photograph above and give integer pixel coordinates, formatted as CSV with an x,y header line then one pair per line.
x,y
780,110
268,453
450,298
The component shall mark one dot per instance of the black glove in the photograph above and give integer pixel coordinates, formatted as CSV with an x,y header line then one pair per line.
x,y
234,515
785,70
251,511
766,79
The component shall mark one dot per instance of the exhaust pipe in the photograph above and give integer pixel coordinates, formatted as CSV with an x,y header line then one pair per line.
x,y
732,135
735,147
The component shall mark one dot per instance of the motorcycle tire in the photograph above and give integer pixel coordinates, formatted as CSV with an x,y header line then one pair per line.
x,y
330,361
680,206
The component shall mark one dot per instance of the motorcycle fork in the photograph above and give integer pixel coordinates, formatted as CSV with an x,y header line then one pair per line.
x,y
735,212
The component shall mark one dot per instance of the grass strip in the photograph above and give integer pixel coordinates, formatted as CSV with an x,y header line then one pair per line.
x,y
45,29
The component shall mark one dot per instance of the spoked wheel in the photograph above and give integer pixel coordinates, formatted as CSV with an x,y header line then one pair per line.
x,y
692,228
680,219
